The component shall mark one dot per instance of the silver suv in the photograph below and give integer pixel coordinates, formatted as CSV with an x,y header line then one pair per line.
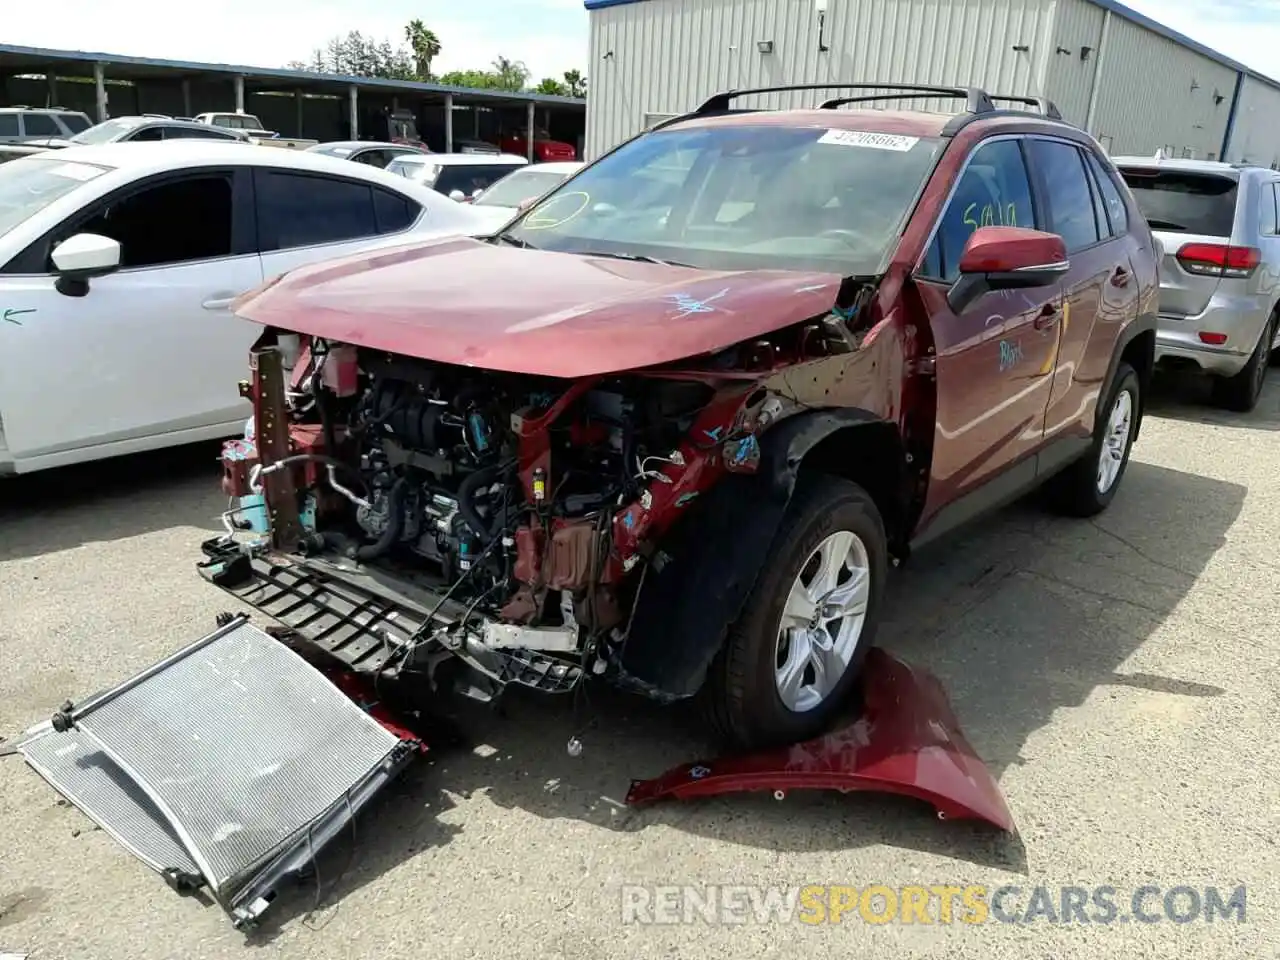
x,y
21,124
1220,278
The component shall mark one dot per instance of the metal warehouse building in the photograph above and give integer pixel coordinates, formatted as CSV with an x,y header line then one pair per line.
x,y
1134,84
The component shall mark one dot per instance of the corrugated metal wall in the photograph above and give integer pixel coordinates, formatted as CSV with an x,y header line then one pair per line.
x,y
1255,138
665,56
1069,79
661,57
1155,93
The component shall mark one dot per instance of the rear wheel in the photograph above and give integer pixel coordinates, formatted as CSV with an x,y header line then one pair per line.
x,y
1088,486
793,658
1241,392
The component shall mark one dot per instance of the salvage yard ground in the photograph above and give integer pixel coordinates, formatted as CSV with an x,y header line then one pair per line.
x,y
1119,677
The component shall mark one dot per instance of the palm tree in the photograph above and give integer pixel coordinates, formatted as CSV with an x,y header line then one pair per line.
x,y
575,83
511,74
425,45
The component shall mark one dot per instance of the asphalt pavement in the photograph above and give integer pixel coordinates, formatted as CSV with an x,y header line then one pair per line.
x,y
1119,677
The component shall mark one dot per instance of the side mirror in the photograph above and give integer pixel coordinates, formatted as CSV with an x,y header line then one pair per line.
x,y
82,257
458,195
1007,258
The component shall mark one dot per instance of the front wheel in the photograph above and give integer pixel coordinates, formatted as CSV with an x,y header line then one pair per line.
x,y
792,659
1088,486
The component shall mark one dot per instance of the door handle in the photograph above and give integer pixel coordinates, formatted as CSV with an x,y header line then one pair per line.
x,y
1046,318
218,302
1120,278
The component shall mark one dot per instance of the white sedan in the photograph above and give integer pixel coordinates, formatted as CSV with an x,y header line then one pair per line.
x,y
118,265
504,199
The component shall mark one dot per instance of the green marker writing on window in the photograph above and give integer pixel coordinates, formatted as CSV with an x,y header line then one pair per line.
x,y
9,315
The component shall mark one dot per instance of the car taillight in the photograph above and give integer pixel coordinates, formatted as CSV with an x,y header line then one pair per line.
x,y
1219,260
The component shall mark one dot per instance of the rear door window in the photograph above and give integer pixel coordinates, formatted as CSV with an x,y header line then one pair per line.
x,y
392,211
41,125
1071,214
1117,210
297,210
1268,221
1183,201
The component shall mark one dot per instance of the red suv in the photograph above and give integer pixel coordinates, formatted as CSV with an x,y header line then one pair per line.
x,y
672,426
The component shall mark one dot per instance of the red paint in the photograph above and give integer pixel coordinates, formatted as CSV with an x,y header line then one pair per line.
x,y
703,466
545,150
907,742
529,311
1006,249
364,696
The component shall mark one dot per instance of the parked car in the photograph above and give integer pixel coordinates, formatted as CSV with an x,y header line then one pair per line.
x,y
373,152
545,149
504,198
675,438
475,146
140,130
23,124
462,177
12,151
251,128
118,266
1220,284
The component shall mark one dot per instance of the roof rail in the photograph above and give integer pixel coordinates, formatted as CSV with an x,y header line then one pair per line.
x,y
976,100
1046,106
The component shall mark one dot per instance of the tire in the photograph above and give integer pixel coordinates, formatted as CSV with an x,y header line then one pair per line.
x,y
742,699
1078,491
1241,392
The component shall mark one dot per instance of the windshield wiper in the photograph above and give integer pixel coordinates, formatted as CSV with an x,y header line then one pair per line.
x,y
514,241
637,257
1159,224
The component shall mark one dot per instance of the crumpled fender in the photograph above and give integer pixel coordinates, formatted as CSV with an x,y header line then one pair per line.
x,y
907,742
699,580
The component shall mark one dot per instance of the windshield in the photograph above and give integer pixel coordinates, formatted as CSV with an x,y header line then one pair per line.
x,y
1184,202
411,168
517,187
107,131
740,198
30,184
75,122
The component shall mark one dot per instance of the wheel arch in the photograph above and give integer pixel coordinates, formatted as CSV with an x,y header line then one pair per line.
x,y
699,578
1136,346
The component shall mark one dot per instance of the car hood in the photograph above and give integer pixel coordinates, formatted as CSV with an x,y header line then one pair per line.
x,y
463,301
48,142
492,217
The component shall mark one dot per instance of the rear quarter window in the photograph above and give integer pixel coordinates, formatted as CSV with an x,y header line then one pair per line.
x,y
1184,202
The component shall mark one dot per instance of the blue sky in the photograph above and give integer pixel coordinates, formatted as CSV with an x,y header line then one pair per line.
x,y
550,36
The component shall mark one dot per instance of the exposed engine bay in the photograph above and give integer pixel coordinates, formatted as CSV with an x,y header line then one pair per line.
x,y
525,509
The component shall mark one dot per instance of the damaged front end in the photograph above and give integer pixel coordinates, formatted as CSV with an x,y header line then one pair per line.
x,y
407,516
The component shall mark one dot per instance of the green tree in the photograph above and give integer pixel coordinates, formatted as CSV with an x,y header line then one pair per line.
x,y
575,83
475,79
551,87
510,74
425,46
356,55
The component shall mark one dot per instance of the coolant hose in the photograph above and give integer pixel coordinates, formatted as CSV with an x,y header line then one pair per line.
x,y
395,524
467,491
